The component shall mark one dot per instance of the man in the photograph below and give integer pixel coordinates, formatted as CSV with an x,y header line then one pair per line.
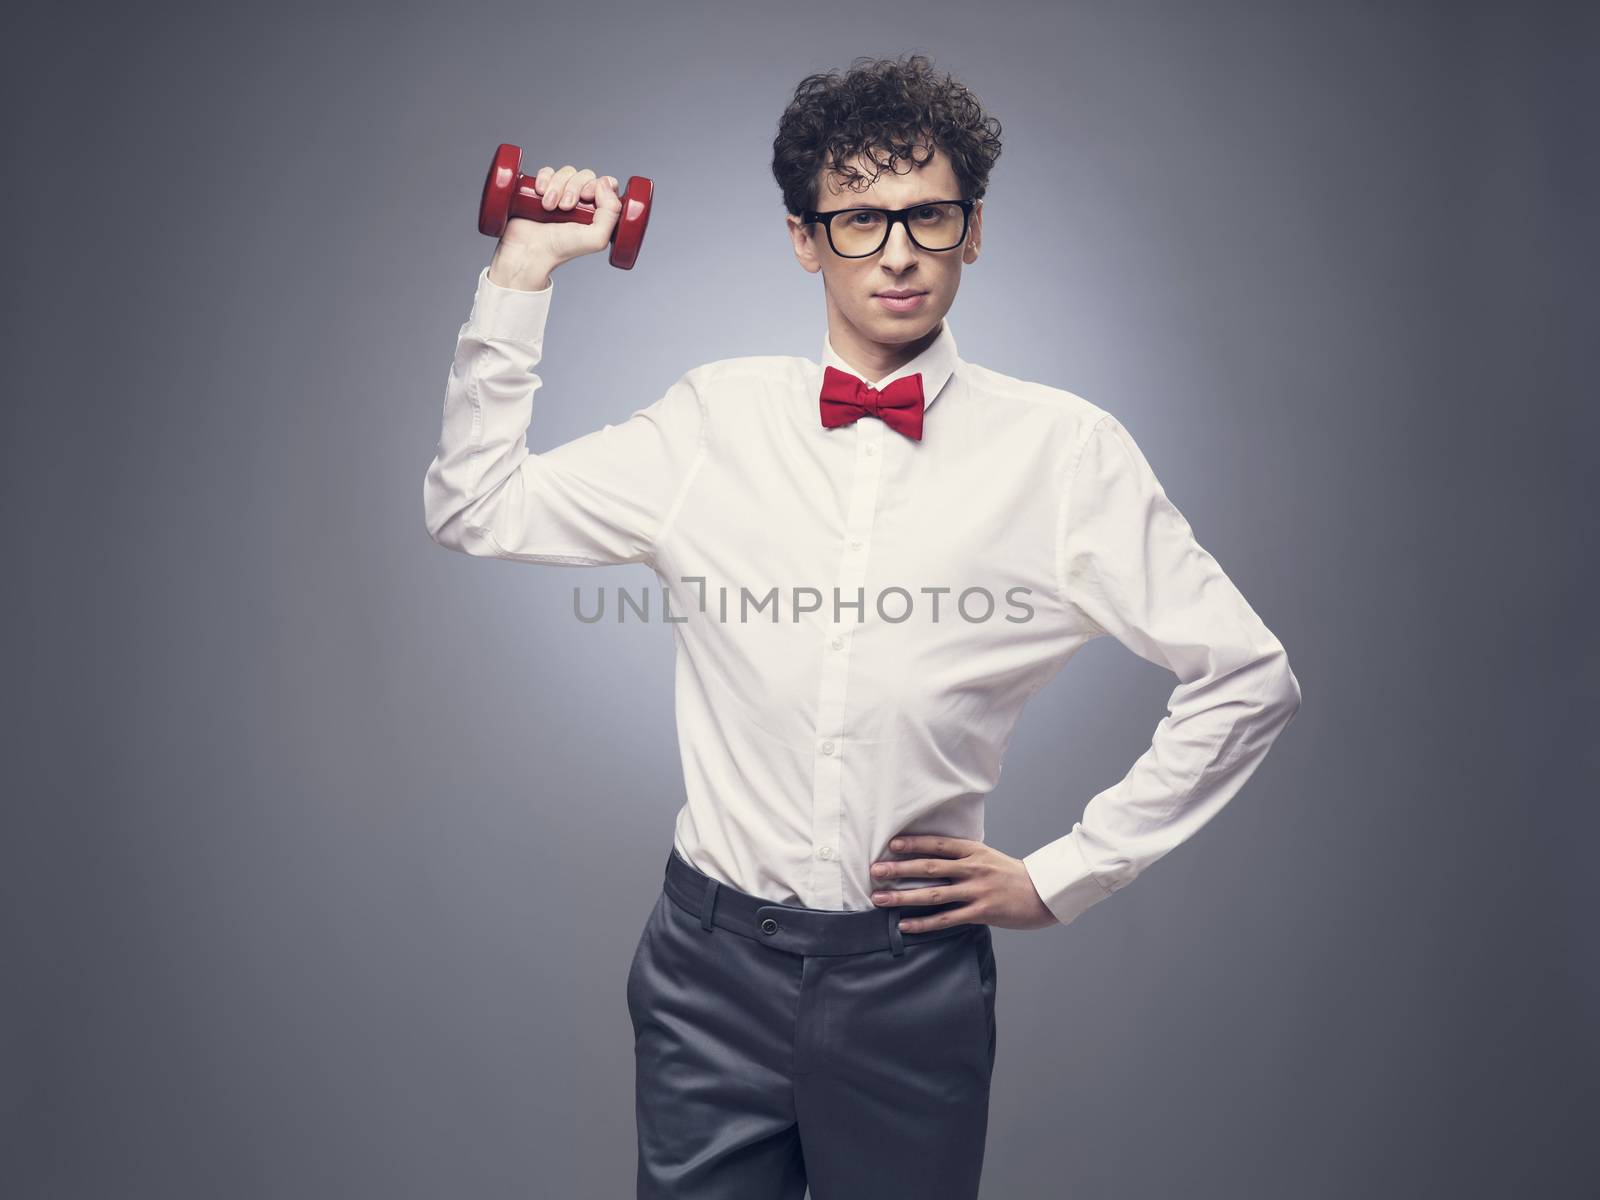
x,y
923,543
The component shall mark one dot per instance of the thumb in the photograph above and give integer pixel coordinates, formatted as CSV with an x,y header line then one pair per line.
x,y
607,205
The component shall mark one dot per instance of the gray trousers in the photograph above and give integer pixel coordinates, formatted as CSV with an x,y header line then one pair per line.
x,y
778,1047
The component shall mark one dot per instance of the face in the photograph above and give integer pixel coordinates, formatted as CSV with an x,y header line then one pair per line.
x,y
869,334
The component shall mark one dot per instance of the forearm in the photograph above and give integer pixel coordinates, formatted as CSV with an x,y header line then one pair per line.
x,y
1216,735
488,406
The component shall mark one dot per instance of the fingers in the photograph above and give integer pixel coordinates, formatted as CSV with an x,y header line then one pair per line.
x,y
551,183
564,186
595,190
555,184
575,188
970,915
885,896
974,911
541,182
924,868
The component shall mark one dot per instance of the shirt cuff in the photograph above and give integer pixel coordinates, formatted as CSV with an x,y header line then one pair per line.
x,y
511,313
1063,879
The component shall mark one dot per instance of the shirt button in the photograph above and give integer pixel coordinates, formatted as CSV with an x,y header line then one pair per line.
x,y
855,543
824,851
827,747
838,643
872,449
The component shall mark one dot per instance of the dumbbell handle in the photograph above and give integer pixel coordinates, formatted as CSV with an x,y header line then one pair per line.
x,y
528,204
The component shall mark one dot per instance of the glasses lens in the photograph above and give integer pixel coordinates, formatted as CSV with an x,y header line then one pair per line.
x,y
933,227
858,231
936,226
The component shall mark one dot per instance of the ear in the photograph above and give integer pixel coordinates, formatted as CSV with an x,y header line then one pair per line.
x,y
969,253
805,245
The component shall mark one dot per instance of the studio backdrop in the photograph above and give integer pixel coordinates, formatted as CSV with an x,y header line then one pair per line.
x,y
325,848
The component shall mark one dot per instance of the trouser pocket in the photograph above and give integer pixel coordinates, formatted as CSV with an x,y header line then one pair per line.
x,y
635,974
988,978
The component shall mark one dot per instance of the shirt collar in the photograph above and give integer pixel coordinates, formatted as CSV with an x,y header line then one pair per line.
x,y
936,364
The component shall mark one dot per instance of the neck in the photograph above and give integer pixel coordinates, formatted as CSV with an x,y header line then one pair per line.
x,y
871,359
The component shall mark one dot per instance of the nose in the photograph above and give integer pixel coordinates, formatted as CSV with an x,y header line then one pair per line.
x,y
899,251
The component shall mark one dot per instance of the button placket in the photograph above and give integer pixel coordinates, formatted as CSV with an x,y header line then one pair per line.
x,y
827,801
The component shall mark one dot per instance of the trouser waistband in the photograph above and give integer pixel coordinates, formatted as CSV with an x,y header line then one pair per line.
x,y
814,931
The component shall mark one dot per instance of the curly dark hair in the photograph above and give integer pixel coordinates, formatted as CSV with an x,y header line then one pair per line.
x,y
894,105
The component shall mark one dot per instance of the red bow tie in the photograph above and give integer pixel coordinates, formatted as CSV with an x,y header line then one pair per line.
x,y
846,398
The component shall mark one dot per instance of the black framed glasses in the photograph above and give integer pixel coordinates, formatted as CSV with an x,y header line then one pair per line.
x,y
862,232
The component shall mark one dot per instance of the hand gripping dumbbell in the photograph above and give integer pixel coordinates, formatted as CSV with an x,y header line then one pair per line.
x,y
508,193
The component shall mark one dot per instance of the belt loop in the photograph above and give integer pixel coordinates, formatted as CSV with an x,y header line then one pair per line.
x,y
897,939
708,902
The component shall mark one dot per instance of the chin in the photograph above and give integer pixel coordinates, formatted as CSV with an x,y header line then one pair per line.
x,y
893,328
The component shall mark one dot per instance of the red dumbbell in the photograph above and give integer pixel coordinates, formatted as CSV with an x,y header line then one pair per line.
x,y
508,193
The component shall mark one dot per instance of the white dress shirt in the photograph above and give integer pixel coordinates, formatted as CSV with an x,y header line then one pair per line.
x,y
849,704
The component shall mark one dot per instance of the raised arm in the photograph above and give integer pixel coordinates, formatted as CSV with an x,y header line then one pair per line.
x,y
1130,563
605,497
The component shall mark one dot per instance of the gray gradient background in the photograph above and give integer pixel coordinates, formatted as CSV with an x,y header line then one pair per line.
x,y
326,849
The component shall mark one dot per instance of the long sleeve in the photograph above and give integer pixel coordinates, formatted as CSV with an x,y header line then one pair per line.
x,y
1128,560
605,497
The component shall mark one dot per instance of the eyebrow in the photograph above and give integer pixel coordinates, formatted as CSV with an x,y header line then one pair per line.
x,y
913,204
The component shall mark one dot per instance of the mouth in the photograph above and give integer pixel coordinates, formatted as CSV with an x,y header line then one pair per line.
x,y
901,300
